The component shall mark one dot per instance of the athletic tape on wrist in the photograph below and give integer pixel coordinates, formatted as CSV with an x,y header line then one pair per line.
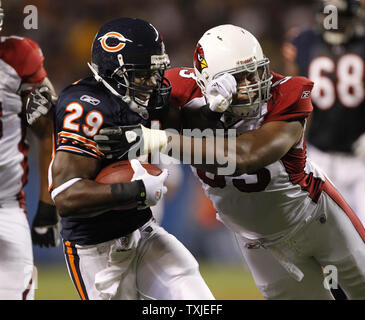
x,y
153,140
209,114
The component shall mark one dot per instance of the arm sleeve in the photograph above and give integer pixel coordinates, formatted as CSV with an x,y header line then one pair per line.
x,y
33,69
72,127
291,100
184,87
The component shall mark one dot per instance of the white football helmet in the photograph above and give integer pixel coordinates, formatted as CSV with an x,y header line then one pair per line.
x,y
231,49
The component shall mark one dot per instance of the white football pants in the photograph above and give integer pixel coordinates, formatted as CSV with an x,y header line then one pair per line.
x,y
148,264
330,241
16,254
347,173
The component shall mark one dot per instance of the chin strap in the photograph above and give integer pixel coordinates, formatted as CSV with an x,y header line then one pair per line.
x,y
133,106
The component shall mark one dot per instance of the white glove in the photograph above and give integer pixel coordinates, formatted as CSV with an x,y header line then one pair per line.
x,y
219,92
154,185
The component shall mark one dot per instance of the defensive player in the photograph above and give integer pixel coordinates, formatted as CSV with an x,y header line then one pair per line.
x,y
288,218
113,247
21,68
335,60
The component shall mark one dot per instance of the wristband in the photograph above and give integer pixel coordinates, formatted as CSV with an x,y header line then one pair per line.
x,y
209,114
129,192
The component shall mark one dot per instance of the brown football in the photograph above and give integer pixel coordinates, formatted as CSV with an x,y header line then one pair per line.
x,y
122,171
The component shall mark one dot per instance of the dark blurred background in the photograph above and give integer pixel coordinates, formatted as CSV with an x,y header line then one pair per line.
x,y
65,32
66,28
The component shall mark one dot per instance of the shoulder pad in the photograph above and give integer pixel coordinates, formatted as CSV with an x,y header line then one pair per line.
x,y
291,99
184,87
25,56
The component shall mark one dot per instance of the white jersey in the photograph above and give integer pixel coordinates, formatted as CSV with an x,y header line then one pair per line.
x,y
266,204
21,68
277,198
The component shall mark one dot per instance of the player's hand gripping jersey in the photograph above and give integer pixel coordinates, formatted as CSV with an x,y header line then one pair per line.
x,y
82,109
21,67
278,197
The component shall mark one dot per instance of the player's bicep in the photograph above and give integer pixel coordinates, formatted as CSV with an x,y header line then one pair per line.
x,y
67,166
283,135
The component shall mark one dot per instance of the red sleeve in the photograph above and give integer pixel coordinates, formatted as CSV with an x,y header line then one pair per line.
x,y
291,99
184,87
26,57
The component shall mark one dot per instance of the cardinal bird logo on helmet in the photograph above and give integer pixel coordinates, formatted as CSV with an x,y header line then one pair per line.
x,y
199,59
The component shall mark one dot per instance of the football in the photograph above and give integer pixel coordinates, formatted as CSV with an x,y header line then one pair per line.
x,y
122,171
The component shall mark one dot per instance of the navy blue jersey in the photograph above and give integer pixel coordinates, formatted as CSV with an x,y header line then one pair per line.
x,y
81,111
338,95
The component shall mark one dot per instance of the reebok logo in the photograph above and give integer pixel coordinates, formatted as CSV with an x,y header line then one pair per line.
x,y
90,100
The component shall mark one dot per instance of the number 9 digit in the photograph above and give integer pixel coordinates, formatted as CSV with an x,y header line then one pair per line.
x,y
94,120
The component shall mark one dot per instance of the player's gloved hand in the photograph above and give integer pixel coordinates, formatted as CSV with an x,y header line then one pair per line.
x,y
116,142
45,228
134,140
38,103
219,92
154,185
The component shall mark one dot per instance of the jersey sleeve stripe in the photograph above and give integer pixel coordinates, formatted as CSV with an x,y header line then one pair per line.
x,y
87,143
76,137
77,150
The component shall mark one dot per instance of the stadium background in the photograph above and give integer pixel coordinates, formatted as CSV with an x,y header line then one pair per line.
x,y
65,32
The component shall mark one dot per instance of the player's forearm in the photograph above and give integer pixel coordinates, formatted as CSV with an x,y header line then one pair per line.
x,y
236,155
87,196
202,153
75,192
212,154
208,153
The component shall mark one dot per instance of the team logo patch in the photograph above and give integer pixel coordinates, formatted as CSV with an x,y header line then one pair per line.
x,y
199,59
113,41
305,94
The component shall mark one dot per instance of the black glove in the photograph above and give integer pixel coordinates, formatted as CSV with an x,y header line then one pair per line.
x,y
118,142
45,228
38,103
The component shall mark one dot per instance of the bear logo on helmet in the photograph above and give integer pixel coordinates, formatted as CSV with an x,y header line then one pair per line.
x,y
118,41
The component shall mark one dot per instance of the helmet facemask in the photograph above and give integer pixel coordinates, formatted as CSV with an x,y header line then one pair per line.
x,y
232,49
253,88
141,84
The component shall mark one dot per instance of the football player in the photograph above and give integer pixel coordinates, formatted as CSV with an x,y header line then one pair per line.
x,y
335,60
21,68
288,218
113,247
